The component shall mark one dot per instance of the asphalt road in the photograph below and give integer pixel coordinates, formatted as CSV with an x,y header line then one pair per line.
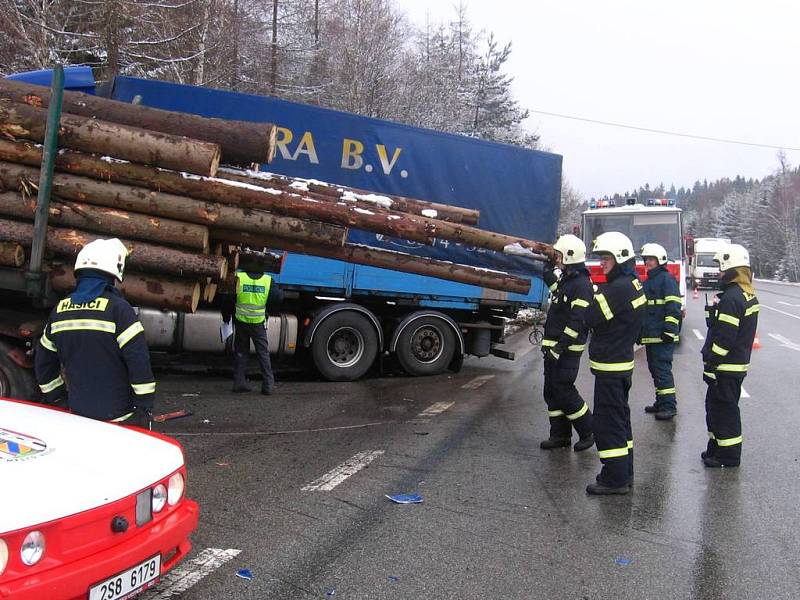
x,y
500,518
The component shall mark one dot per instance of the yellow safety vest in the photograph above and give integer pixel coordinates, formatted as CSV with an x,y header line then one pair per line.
x,y
251,297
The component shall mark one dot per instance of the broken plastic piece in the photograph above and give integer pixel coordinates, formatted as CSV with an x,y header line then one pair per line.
x,y
331,592
405,498
244,574
623,561
393,579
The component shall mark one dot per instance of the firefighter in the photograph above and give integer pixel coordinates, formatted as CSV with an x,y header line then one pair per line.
x,y
563,343
615,320
96,337
660,330
732,323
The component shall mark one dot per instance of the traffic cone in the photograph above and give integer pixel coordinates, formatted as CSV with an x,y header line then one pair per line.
x,y
756,342
695,294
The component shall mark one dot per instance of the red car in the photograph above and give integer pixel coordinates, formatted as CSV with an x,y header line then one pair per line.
x,y
87,509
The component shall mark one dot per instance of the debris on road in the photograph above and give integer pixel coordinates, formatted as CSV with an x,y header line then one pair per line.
x,y
244,574
623,561
172,415
405,498
331,592
393,579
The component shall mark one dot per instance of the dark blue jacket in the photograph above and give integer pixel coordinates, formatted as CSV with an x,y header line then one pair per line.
x,y
662,321
565,328
732,324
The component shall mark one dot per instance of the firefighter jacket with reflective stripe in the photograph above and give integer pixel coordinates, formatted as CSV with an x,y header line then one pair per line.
x,y
662,320
732,326
251,297
570,296
104,355
615,319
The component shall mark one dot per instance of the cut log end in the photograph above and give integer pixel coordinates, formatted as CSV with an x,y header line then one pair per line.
x,y
272,144
11,254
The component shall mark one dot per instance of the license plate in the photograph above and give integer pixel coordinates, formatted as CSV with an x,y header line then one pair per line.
x,y
128,583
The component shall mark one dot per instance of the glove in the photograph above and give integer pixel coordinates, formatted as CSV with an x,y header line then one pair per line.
x,y
142,417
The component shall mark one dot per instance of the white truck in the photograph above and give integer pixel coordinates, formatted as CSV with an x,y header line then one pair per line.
x,y
703,271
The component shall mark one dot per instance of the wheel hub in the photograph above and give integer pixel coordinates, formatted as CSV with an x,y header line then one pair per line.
x,y
426,344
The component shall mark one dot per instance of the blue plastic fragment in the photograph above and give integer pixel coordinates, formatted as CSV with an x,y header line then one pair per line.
x,y
244,574
405,498
392,578
331,592
623,561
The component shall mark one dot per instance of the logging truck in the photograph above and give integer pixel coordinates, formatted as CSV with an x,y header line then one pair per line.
x,y
347,308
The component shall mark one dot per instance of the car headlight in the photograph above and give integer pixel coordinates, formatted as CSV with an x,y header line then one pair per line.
x,y
3,555
159,497
32,548
176,487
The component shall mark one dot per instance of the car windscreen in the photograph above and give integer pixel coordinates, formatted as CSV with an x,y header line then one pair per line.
x,y
705,260
658,228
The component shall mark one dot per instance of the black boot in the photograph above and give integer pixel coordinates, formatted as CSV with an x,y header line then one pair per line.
x,y
717,463
584,443
666,414
650,409
552,443
599,489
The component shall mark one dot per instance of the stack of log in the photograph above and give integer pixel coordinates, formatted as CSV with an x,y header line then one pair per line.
x,y
132,172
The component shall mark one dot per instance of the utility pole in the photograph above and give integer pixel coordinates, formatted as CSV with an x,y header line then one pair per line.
x,y
273,76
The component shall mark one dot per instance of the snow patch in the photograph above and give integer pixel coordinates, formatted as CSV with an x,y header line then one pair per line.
x,y
299,185
516,249
430,213
364,211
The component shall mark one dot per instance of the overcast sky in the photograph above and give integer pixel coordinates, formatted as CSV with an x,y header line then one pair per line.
x,y
715,68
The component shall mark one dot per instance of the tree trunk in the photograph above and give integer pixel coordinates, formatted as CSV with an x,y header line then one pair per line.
x,y
242,142
153,259
11,254
142,290
109,221
136,199
120,141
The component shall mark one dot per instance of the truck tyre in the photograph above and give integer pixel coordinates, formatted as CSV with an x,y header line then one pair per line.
x,y
426,346
15,382
344,346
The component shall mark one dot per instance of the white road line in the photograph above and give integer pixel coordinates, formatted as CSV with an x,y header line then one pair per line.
x,y
336,476
785,342
783,312
697,334
474,384
787,303
184,576
745,394
435,409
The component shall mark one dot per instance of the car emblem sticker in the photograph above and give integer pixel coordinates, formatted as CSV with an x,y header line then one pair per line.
x,y
16,446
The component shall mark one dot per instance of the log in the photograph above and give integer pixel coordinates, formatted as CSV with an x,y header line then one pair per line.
x,y
241,142
147,257
396,261
109,221
136,199
141,289
11,254
120,141
361,198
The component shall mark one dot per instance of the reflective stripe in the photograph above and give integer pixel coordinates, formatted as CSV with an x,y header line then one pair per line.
x,y
579,302
547,343
622,366
672,320
577,347
570,332
751,310
664,391
49,387
83,325
603,303
656,301
141,389
729,441
555,355
613,452
732,368
555,413
673,299
719,350
726,318
578,414
131,332
552,287
711,435
651,340
122,418
630,444
637,302
674,336
45,341
709,374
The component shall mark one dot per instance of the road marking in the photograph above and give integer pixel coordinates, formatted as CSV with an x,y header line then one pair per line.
x,y
435,409
336,476
787,303
474,384
785,342
783,312
183,577
697,334
744,393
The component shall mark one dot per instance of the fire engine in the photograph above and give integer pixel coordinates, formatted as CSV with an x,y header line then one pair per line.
x,y
659,221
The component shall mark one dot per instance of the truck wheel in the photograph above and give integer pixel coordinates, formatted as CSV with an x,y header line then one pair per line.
x,y
426,346
15,382
344,346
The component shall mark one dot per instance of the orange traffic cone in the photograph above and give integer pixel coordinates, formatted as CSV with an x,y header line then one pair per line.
x,y
756,342
695,294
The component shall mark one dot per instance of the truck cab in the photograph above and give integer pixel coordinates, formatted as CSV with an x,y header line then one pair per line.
x,y
703,271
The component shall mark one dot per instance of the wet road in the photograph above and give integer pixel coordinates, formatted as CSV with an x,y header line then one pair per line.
x,y
278,481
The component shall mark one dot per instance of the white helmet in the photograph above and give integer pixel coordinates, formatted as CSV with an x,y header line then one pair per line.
x,y
657,251
732,255
572,249
614,243
104,255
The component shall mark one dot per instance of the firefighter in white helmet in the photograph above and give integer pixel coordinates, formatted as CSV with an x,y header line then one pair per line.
x,y
564,342
615,319
732,324
661,328
95,336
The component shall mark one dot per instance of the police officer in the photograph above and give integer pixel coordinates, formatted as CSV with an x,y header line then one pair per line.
x,y
615,320
254,290
563,343
732,326
95,335
660,331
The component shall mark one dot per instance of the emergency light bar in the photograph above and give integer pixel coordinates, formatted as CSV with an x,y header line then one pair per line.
x,y
661,202
602,204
